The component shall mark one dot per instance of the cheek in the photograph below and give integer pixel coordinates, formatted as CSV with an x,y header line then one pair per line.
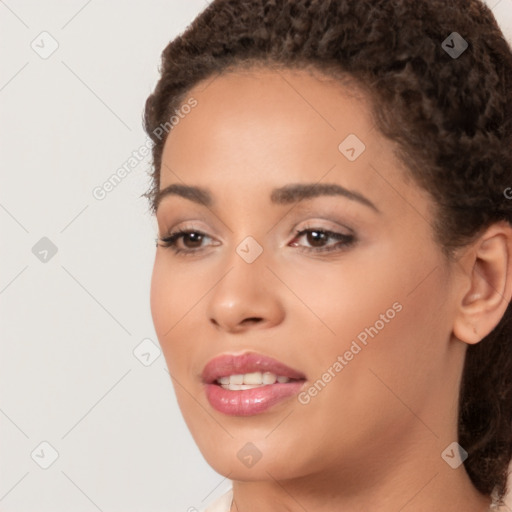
x,y
387,312
160,298
177,298
342,298
402,334
174,292
168,301
388,361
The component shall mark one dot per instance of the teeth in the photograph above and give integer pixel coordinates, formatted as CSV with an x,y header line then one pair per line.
x,y
253,378
238,387
250,380
236,379
269,378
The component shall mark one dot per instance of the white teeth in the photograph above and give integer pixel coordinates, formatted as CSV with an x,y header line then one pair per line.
x,y
253,378
238,387
250,380
269,378
236,379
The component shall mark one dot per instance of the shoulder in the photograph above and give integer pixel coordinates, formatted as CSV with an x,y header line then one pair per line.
x,y
222,504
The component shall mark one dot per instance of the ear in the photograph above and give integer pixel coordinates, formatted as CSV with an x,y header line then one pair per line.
x,y
486,285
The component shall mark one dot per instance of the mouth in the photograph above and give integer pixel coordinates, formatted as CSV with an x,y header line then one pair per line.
x,y
252,380
250,383
250,369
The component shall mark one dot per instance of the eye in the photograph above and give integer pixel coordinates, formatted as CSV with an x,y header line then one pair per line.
x,y
191,239
319,238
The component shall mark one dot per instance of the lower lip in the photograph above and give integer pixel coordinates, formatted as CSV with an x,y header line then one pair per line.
x,y
248,402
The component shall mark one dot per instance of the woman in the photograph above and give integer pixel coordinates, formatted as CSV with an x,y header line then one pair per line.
x,y
334,261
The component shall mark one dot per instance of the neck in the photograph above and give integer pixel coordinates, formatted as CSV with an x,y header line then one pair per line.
x,y
421,483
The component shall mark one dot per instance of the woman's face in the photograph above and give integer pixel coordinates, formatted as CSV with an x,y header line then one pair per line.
x,y
365,318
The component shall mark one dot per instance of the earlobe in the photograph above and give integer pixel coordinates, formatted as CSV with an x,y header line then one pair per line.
x,y
487,287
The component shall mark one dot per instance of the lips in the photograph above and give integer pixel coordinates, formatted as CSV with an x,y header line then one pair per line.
x,y
248,400
230,364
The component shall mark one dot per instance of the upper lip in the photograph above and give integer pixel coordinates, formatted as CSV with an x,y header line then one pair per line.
x,y
235,364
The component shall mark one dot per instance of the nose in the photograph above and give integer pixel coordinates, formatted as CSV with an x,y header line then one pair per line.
x,y
247,297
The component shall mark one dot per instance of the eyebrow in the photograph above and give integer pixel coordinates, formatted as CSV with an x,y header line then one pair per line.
x,y
287,194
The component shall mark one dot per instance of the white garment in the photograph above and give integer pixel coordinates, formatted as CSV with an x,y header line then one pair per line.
x,y
222,504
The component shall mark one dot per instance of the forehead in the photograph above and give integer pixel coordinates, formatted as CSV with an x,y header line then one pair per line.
x,y
252,116
263,127
261,101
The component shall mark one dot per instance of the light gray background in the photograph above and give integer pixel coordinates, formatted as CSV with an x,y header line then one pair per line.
x,y
70,325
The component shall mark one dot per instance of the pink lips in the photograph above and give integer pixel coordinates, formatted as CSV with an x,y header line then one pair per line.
x,y
250,401
229,364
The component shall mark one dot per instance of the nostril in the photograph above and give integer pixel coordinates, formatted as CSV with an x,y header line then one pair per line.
x,y
252,320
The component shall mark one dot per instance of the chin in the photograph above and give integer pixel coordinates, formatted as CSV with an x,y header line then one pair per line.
x,y
244,461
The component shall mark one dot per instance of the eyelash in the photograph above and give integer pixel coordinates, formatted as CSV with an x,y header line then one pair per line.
x,y
345,241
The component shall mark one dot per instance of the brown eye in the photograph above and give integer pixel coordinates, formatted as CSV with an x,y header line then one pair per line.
x,y
191,241
318,239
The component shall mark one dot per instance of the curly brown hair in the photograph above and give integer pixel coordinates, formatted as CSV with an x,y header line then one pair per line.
x,y
451,116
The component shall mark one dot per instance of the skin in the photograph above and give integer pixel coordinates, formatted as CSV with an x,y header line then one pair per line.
x,y
372,439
